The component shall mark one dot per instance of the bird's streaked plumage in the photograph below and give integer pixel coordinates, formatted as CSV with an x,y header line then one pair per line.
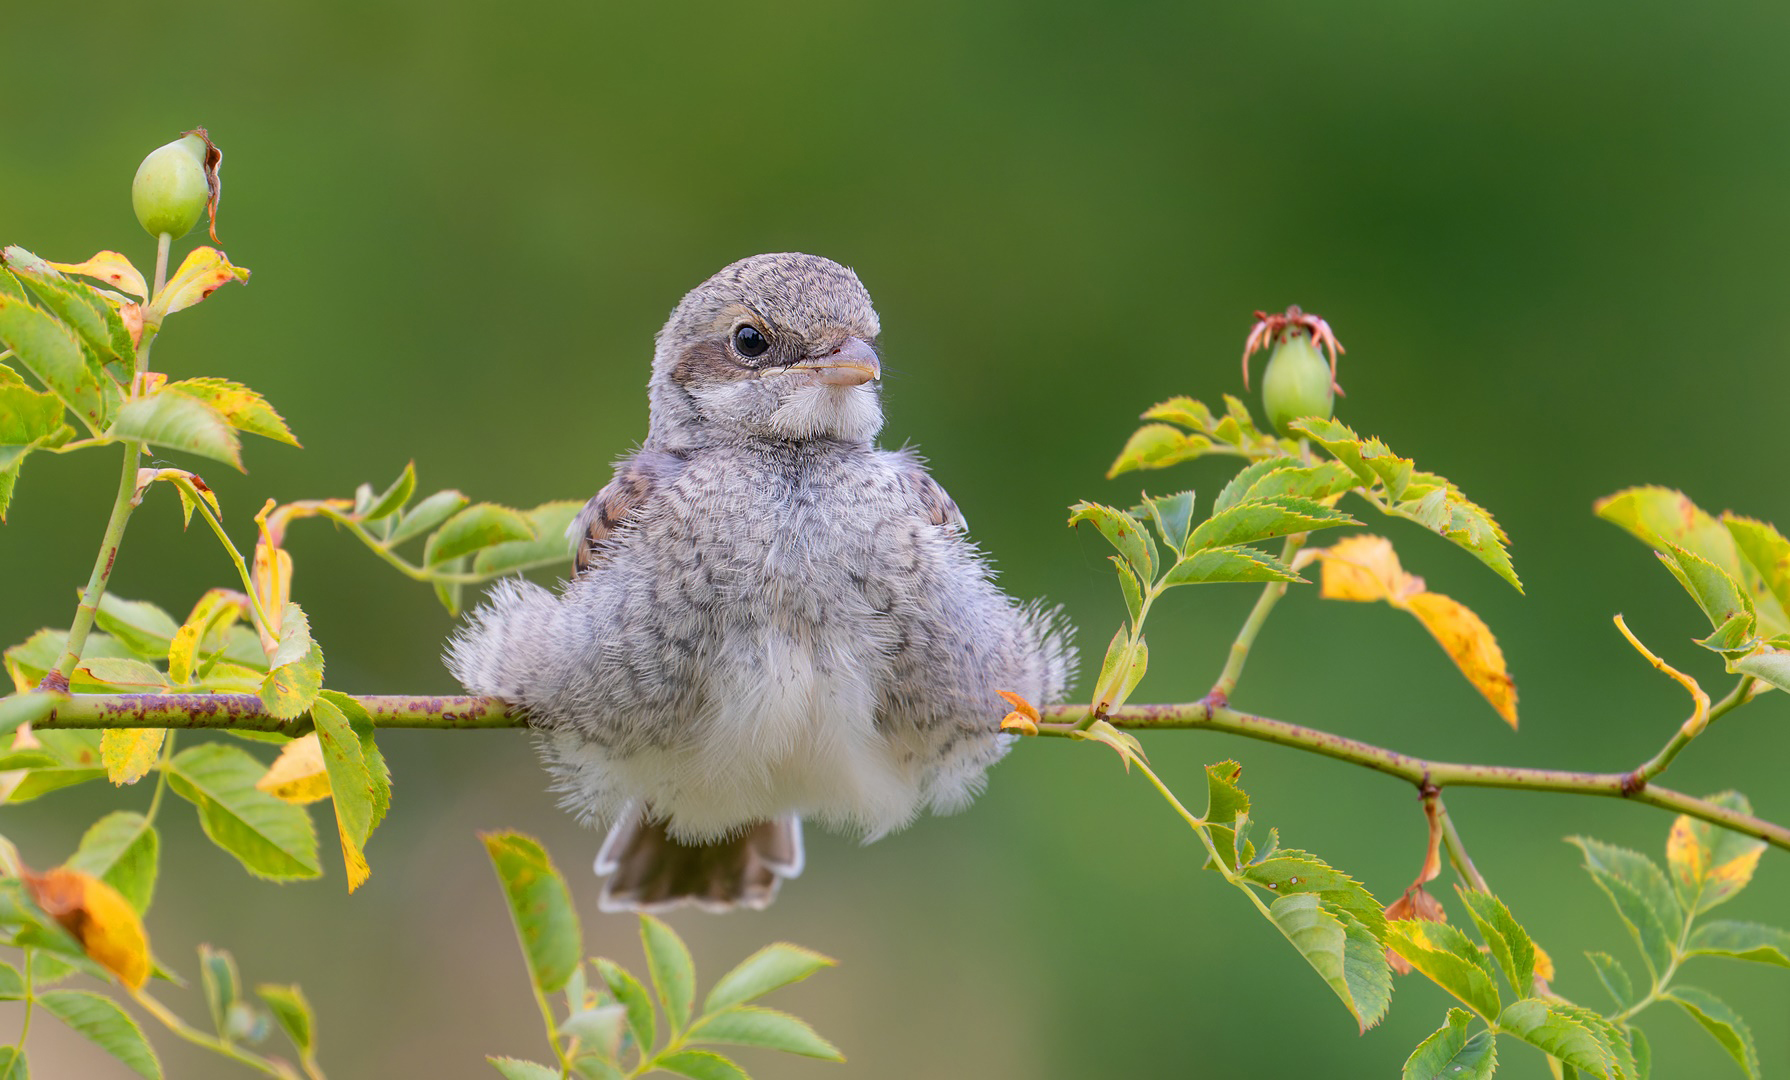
x,y
771,618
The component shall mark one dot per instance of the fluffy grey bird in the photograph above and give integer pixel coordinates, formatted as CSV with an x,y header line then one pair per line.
x,y
770,619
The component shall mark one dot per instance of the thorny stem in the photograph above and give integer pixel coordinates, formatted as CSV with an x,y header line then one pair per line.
x,y
245,712
1271,594
216,1045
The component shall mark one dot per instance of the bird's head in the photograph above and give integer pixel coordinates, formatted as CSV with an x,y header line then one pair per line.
x,y
773,347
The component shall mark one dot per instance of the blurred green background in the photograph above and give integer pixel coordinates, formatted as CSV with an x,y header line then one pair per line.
x,y
1551,236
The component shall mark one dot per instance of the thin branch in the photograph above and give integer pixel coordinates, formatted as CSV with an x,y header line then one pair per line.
x,y
88,608
1271,593
1457,851
245,712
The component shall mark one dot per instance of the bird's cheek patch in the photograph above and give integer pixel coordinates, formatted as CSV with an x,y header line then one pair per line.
x,y
707,362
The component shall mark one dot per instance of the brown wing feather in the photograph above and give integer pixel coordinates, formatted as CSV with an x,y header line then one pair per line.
x,y
609,510
938,507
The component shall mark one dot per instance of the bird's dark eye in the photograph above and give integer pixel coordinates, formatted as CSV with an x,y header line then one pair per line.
x,y
750,342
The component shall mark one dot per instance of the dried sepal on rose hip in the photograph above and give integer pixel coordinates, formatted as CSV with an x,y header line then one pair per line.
x,y
1299,381
177,183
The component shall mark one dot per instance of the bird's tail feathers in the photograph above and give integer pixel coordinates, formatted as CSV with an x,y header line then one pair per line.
x,y
651,871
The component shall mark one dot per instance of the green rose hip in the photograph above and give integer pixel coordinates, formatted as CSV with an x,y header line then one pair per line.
x,y
170,191
1297,382
1300,381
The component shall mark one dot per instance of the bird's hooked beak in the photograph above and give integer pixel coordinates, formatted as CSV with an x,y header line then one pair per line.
x,y
852,363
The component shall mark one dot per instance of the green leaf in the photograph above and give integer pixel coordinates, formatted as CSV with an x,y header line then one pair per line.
x,y
1123,532
1261,519
1770,665
293,1013
1614,977
12,983
1439,506
393,498
1506,938
1765,568
50,351
12,1064
1228,565
242,408
540,906
1450,1055
120,849
101,1020
1173,515
350,784
82,309
1642,1051
113,676
378,772
425,515
1663,519
1555,1031
1741,941
1133,592
27,708
1722,1023
1157,446
295,675
768,969
599,1028
1121,670
138,625
1710,864
223,986
635,999
1338,438
272,839
517,1069
79,761
1431,949
1290,872
28,420
1729,609
755,1025
674,974
451,593
174,421
700,1065
550,545
1285,476
1226,804
1342,951
478,526
1642,896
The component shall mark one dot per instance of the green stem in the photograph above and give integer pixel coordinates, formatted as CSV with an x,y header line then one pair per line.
x,y
421,573
262,621
1457,851
18,1050
122,505
191,1034
559,1053
1689,730
1239,655
161,780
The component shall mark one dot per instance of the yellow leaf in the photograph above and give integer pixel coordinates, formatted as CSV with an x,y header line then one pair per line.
x,y
113,269
1364,568
99,917
200,274
353,860
1733,875
1021,706
1544,964
272,575
1019,723
298,775
1123,744
215,613
129,752
1470,644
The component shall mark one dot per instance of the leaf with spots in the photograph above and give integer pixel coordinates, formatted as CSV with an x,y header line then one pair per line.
x,y
1123,532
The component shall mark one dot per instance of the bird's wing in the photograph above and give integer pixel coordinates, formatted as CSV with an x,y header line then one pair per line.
x,y
610,509
927,494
